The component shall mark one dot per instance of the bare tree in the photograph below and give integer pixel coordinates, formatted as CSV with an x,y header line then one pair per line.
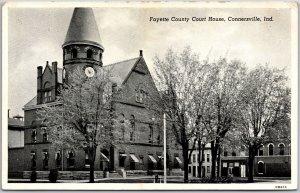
x,y
83,118
178,77
224,105
264,106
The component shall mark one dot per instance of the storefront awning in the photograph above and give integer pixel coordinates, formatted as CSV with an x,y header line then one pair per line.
x,y
152,159
135,159
179,161
104,158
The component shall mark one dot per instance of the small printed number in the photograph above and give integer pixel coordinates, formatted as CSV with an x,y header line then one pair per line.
x,y
281,187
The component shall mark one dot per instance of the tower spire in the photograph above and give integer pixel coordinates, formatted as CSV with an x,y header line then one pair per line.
x,y
83,29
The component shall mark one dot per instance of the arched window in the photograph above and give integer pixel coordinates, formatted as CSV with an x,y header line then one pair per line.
x,y
260,167
122,121
281,149
64,74
261,151
89,53
132,130
141,94
74,53
271,149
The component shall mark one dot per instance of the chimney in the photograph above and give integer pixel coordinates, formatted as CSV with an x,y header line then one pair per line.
x,y
39,84
141,53
54,68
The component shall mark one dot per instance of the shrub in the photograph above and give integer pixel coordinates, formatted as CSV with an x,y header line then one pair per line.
x,y
53,175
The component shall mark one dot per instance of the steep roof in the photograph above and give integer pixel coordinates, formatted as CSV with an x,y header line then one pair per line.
x,y
121,70
83,28
15,122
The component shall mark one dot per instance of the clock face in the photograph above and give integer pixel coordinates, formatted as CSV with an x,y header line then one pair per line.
x,y
89,71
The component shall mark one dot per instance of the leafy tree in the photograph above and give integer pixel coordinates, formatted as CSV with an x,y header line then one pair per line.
x,y
82,118
264,110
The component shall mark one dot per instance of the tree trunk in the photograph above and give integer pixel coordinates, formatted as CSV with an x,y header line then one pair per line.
x,y
213,160
199,158
92,156
219,163
185,153
250,163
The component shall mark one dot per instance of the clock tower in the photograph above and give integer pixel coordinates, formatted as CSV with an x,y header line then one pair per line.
x,y
82,48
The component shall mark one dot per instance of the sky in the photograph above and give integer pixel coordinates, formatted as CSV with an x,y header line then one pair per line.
x,y
35,35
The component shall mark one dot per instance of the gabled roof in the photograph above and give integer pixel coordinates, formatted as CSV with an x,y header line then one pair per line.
x,y
31,102
15,122
121,70
83,28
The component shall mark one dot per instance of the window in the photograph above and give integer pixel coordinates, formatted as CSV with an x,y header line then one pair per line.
x,y
122,121
208,158
190,168
47,96
208,169
261,151
132,130
33,159
122,157
33,135
70,159
74,53
141,94
260,167
194,158
271,151
203,157
45,134
45,159
100,55
225,153
281,149
233,153
150,133
58,159
89,53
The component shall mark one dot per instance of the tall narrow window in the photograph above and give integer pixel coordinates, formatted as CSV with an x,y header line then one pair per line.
x,y
74,53
271,149
70,159
132,129
45,159
33,159
208,158
33,135
281,149
58,159
45,134
89,53
150,133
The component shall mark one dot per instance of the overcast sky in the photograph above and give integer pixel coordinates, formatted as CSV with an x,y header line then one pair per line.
x,y
36,36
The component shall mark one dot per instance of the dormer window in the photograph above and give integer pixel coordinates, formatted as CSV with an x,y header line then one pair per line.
x,y
89,53
74,53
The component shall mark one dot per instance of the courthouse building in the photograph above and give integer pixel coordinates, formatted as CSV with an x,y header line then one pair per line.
x,y
83,49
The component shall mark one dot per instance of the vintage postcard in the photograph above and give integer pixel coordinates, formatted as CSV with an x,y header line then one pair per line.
x,y
150,96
